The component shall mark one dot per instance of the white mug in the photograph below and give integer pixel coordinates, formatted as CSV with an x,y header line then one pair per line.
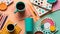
x,y
20,7
11,27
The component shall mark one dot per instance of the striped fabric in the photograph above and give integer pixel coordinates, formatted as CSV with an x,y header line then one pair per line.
x,y
2,20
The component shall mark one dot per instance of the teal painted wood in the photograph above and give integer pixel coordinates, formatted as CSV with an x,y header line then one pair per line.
x,y
51,1
55,16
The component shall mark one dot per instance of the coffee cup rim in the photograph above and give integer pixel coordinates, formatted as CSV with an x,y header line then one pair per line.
x,y
23,8
11,30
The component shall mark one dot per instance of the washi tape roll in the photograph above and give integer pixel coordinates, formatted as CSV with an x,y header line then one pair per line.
x,y
51,1
29,25
3,6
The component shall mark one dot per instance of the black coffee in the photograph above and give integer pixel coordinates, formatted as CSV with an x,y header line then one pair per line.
x,y
20,5
10,27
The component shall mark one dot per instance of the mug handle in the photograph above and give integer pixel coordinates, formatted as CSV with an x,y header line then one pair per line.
x,y
15,11
15,24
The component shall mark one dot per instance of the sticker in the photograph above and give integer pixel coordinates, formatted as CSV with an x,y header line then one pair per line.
x,y
42,3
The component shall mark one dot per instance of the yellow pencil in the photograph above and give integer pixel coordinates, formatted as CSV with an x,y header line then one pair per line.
x,y
35,17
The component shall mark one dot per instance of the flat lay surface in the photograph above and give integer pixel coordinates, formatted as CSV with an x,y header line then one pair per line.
x,y
29,12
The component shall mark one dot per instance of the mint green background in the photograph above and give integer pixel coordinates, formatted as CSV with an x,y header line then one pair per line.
x,y
56,18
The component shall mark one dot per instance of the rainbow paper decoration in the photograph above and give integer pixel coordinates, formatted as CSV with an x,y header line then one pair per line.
x,y
47,22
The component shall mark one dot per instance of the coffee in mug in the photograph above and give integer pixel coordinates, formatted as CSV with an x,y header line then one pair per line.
x,y
20,7
11,27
